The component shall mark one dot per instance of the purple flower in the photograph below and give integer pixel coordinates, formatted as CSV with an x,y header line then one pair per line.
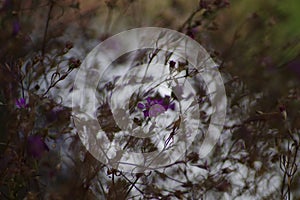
x,y
16,28
141,106
21,103
155,106
155,110
36,146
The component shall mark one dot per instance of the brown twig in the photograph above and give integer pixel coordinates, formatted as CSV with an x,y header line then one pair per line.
x,y
46,28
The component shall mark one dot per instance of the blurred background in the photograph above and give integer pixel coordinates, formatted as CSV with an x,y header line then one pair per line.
x,y
256,45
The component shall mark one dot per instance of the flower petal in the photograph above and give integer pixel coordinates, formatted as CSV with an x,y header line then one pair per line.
x,y
160,102
146,113
21,103
156,110
140,106
148,100
172,106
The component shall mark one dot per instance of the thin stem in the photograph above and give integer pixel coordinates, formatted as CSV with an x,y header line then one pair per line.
x,y
189,19
132,185
108,20
46,28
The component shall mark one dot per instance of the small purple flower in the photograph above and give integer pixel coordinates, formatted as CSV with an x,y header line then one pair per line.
x,y
155,106
21,103
156,110
16,28
36,146
141,106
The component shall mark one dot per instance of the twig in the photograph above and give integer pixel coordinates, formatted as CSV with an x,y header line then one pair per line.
x,y
46,28
189,19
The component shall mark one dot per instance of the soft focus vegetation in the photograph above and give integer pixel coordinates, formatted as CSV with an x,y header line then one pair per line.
x,y
256,45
